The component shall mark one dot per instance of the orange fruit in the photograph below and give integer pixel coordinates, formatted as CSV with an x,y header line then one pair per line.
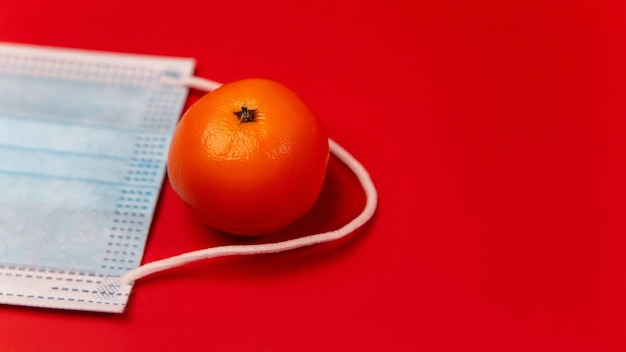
x,y
249,158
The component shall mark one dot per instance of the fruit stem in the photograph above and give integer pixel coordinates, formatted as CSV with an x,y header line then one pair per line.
x,y
246,115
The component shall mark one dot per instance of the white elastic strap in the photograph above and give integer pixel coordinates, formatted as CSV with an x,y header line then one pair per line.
x,y
368,211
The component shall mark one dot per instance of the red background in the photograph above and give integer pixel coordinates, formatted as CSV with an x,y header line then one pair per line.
x,y
494,131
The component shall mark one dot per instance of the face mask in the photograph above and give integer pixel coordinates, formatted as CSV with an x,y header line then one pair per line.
x,y
81,164
83,143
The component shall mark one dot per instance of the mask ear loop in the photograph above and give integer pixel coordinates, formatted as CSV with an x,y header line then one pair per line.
x,y
366,214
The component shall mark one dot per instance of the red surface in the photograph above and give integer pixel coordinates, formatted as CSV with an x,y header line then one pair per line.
x,y
494,131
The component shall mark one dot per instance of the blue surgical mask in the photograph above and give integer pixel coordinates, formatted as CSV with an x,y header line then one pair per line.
x,y
83,144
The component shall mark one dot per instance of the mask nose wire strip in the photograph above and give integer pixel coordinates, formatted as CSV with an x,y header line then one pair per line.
x,y
366,214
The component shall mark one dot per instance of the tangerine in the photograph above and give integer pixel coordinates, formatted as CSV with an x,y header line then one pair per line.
x,y
249,158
